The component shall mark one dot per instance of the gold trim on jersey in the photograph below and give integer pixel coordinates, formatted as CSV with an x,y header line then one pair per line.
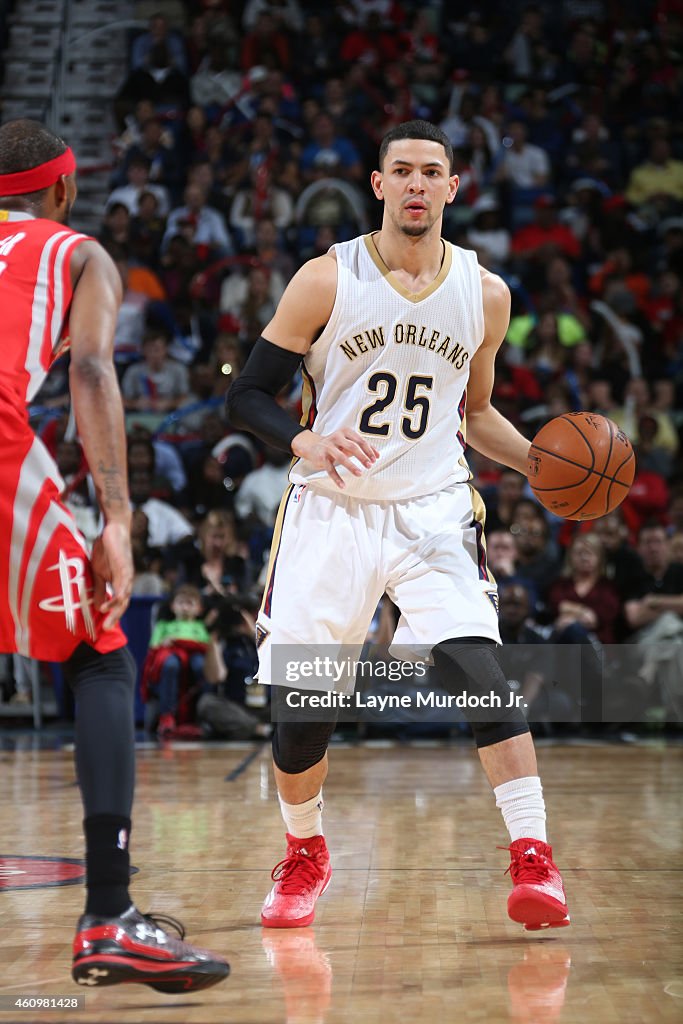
x,y
275,549
392,280
479,515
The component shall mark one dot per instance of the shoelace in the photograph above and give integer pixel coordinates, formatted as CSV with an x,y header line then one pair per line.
x,y
296,873
164,921
534,866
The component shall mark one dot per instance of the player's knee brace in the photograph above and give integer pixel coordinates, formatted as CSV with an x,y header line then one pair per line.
x,y
469,665
297,746
300,738
87,665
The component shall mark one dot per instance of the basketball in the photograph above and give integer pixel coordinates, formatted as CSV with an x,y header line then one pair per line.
x,y
581,465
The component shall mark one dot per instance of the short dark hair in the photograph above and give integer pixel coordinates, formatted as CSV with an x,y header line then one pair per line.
x,y
25,144
416,130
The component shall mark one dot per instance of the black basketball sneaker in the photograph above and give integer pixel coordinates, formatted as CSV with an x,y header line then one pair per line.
x,y
133,947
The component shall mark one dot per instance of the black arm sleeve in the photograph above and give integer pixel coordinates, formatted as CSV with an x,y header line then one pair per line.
x,y
251,401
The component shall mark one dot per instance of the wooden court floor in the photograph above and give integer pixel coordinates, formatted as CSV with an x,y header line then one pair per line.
x,y
413,927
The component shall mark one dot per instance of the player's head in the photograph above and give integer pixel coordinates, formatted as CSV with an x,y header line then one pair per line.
x,y
27,146
415,177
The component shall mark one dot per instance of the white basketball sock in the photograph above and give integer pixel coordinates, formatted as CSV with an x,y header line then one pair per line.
x,y
306,819
521,802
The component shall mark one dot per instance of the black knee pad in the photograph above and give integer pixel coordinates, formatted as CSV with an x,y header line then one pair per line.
x,y
87,665
469,664
300,737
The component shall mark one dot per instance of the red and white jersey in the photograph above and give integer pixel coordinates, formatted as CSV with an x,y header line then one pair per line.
x,y
35,296
46,582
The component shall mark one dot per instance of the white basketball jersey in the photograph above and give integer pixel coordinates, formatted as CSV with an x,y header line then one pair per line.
x,y
394,366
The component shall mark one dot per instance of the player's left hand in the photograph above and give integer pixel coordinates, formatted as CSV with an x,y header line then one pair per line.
x,y
112,564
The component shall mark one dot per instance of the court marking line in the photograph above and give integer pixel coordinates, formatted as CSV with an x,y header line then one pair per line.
x,y
244,764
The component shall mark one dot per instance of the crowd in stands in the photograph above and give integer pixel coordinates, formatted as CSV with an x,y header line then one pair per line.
x,y
246,136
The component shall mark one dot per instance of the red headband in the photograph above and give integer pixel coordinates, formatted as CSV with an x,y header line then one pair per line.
x,y
39,177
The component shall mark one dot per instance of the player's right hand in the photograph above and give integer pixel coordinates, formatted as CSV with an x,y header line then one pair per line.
x,y
338,449
112,564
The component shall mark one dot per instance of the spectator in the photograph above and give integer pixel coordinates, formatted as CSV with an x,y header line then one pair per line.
x,y
658,180
535,244
142,455
147,232
183,658
258,306
329,149
538,561
656,598
158,383
501,500
216,82
116,228
164,85
638,404
622,564
560,292
142,290
501,554
200,224
148,580
522,165
262,199
286,14
531,661
654,611
156,146
370,44
167,526
137,184
543,343
523,54
487,235
271,252
159,32
219,565
583,594
329,201
266,44
260,493
79,491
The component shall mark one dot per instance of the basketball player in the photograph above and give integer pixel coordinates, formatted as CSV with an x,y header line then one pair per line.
x,y
398,332
60,289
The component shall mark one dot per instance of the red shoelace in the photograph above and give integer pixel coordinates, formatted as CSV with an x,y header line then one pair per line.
x,y
297,873
527,867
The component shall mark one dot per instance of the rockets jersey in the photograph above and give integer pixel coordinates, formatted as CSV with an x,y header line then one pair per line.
x,y
46,581
394,366
35,296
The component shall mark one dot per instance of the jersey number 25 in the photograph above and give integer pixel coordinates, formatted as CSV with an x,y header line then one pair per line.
x,y
415,405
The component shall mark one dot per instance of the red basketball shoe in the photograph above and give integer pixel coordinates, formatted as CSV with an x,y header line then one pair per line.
x,y
299,879
537,899
132,947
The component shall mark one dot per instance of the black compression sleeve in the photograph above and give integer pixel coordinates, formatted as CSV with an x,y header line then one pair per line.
x,y
251,401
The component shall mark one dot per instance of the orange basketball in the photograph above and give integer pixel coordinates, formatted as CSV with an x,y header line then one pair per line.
x,y
581,465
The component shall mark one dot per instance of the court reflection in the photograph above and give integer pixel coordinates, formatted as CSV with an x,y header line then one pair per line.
x,y
304,971
537,984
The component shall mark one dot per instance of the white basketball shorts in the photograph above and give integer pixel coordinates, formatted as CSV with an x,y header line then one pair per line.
x,y
333,557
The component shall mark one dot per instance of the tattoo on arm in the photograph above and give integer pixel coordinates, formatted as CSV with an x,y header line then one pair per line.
x,y
111,485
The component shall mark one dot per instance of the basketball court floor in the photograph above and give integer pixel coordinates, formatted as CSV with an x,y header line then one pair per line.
x,y
413,927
